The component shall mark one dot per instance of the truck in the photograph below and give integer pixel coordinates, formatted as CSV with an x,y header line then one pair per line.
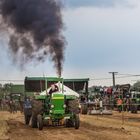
x,y
135,101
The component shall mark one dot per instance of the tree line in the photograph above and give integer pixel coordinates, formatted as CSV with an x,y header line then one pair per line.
x,y
5,89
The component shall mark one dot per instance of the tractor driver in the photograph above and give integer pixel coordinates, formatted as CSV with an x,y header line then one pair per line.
x,y
54,88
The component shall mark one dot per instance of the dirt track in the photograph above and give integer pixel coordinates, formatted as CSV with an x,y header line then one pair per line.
x,y
92,128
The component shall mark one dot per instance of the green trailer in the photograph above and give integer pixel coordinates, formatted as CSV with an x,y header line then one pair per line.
x,y
15,96
135,101
17,92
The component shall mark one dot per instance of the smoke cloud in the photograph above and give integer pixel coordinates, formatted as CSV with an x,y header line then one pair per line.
x,y
35,30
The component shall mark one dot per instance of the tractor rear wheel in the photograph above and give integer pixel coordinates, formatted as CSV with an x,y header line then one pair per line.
x,y
40,122
76,121
37,107
34,121
69,123
73,106
84,108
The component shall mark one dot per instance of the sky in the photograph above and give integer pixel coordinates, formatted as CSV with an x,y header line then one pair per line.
x,y
102,36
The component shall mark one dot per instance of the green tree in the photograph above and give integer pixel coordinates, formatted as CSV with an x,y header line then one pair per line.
x,y
5,89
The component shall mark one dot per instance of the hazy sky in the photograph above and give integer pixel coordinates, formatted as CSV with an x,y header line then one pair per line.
x,y
102,36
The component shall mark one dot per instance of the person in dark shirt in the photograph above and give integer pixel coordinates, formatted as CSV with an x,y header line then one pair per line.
x,y
83,99
27,109
27,103
54,88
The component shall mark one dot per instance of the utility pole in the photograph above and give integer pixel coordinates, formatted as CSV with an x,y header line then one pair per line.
x,y
113,77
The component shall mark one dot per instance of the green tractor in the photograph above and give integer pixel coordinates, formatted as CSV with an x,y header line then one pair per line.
x,y
16,95
55,109
135,101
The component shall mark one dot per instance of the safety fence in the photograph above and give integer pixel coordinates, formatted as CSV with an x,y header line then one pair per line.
x,y
123,112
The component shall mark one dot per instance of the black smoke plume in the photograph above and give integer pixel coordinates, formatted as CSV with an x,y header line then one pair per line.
x,y
35,30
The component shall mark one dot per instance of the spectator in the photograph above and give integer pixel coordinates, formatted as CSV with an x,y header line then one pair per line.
x,y
119,104
54,88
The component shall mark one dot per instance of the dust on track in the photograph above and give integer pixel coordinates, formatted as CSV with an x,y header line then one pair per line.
x,y
19,131
90,130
